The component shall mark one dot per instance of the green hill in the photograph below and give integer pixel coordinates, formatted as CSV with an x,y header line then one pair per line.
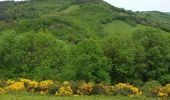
x,y
87,40
87,17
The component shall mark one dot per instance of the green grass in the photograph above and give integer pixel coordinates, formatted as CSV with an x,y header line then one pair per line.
x,y
121,27
70,9
41,97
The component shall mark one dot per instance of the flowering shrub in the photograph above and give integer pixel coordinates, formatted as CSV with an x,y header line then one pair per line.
x,y
80,88
163,91
101,89
44,85
9,82
29,84
2,91
84,88
64,90
53,88
16,86
126,89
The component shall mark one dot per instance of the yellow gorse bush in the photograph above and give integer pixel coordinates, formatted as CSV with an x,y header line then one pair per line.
x,y
29,84
84,88
16,86
44,85
133,90
9,82
163,91
2,91
64,90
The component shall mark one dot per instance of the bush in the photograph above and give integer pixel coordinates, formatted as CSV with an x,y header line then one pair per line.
x,y
149,87
162,91
44,85
2,91
64,89
125,89
101,89
53,88
2,84
84,88
29,84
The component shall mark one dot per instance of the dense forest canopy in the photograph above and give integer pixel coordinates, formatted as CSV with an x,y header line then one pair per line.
x,y
83,40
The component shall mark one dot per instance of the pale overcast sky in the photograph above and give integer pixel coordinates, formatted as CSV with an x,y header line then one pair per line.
x,y
142,5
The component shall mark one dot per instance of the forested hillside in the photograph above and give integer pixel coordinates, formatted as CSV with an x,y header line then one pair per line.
x,y
86,40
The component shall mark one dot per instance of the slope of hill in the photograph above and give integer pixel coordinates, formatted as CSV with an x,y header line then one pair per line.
x,y
157,19
83,40
72,16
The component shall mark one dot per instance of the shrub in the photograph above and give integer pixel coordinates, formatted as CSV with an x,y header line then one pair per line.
x,y
54,87
2,84
126,89
163,91
149,87
29,84
101,89
64,90
44,85
16,86
2,91
9,82
84,88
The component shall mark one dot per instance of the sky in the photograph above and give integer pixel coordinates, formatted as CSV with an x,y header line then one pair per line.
x,y
142,5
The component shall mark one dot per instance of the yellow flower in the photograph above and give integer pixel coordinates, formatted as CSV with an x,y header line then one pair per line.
x,y
17,86
30,83
163,91
65,82
84,88
161,94
2,91
133,90
9,82
64,90
44,85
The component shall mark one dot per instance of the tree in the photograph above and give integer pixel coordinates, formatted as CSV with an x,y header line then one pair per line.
x,y
89,62
31,50
120,51
155,54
